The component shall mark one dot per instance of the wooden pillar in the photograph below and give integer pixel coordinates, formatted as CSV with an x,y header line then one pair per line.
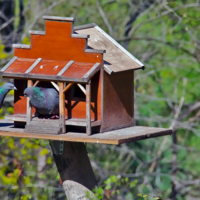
x,y
88,108
62,107
29,108
75,171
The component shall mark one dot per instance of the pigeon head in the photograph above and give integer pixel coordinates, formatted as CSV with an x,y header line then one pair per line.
x,y
28,91
9,86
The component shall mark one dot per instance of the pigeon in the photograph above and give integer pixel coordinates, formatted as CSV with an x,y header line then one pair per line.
x,y
7,87
44,100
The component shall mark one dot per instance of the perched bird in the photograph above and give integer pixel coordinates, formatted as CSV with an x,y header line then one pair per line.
x,y
7,87
44,100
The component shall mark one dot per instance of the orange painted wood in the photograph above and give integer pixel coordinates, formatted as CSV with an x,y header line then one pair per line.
x,y
49,67
78,70
58,44
20,65
57,48
77,108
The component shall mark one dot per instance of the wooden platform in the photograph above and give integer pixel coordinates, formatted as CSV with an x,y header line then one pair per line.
x,y
120,136
74,121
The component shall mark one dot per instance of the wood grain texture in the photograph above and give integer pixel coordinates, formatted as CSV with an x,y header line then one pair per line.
x,y
120,136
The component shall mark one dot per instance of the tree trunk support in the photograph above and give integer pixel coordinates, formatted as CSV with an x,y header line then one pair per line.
x,y
75,170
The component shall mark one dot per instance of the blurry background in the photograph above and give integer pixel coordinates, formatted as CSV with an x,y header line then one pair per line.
x,y
165,36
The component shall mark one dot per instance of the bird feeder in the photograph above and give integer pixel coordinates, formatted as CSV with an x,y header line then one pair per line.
x,y
95,86
94,76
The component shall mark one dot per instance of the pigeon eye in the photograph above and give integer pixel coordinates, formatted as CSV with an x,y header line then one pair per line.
x,y
26,93
10,86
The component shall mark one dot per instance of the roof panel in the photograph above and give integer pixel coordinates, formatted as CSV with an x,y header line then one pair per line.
x,y
116,57
20,65
54,70
77,70
49,67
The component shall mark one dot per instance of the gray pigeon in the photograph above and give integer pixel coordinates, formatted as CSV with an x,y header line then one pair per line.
x,y
44,100
4,90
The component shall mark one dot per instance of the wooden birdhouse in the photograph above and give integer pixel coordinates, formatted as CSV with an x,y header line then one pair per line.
x,y
93,74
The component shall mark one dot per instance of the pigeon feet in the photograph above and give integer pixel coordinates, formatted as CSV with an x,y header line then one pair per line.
x,y
54,117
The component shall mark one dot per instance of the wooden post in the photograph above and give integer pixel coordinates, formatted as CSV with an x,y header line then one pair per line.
x,y
88,108
29,107
62,107
75,171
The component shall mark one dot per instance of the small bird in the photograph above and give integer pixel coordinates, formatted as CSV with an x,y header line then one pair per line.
x,y
4,89
44,100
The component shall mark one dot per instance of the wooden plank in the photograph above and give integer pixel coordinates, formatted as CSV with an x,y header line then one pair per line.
x,y
88,108
71,121
122,60
29,107
8,64
118,45
107,69
92,71
60,73
133,100
44,77
95,51
116,137
102,96
67,87
118,91
82,88
55,86
33,66
62,107
81,36
33,32
86,26
56,18
21,46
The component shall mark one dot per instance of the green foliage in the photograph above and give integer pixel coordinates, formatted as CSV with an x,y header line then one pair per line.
x,y
165,37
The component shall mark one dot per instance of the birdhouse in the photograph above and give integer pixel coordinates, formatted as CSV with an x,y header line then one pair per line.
x,y
93,74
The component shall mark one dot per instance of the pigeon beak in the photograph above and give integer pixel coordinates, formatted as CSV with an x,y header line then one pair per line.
x,y
14,88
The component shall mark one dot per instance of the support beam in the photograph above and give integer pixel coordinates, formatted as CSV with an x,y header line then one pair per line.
x,y
82,88
36,83
67,88
62,107
75,171
55,85
29,107
88,108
